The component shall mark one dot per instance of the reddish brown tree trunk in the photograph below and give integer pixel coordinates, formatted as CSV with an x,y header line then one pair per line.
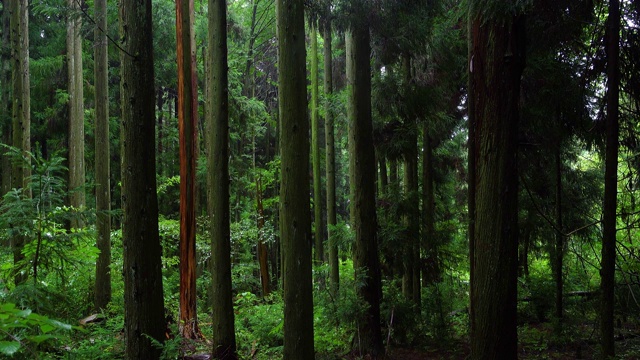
x,y
187,122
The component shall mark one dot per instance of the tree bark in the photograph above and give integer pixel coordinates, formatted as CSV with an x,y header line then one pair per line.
x,y
187,127
76,111
607,273
295,219
362,174
223,338
315,151
5,95
21,114
559,246
143,297
431,273
330,158
496,63
102,165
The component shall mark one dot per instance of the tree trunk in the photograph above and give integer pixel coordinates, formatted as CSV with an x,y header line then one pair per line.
x,y
496,64
315,151
383,179
21,114
559,246
607,273
431,273
143,297
76,111
263,250
102,153
187,127
5,95
362,174
223,338
330,158
295,219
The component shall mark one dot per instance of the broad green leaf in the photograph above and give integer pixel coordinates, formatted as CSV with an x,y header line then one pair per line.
x,y
9,347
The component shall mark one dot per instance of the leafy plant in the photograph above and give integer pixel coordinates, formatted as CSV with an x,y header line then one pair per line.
x,y
23,330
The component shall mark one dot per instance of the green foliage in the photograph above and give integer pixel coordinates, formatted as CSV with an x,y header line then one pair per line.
x,y
25,332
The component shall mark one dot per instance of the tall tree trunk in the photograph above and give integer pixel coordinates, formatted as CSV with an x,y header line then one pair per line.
x,y
103,193
432,269
559,246
607,282
187,126
224,341
496,64
21,114
5,95
143,298
411,278
315,151
295,220
362,174
263,250
330,158
76,111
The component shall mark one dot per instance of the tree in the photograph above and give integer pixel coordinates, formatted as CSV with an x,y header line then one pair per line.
x,y
187,125
609,217
495,65
76,109
143,297
315,149
362,174
102,153
295,226
21,113
224,342
5,92
330,158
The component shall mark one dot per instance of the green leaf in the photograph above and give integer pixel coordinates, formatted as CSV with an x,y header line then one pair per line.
x,y
9,347
40,338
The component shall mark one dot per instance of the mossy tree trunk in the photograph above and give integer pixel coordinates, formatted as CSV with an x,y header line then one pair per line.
x,y
5,94
21,113
496,63
330,153
362,175
607,282
295,219
315,151
102,153
224,341
143,297
187,127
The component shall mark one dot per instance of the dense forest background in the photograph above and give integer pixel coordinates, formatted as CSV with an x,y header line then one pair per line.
x,y
256,179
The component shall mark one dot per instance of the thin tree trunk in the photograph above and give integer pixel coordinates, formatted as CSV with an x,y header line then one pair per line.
x,y
383,180
496,64
559,246
143,297
295,219
315,151
432,269
330,161
607,282
187,126
263,250
5,95
76,112
362,174
223,338
102,166
21,124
